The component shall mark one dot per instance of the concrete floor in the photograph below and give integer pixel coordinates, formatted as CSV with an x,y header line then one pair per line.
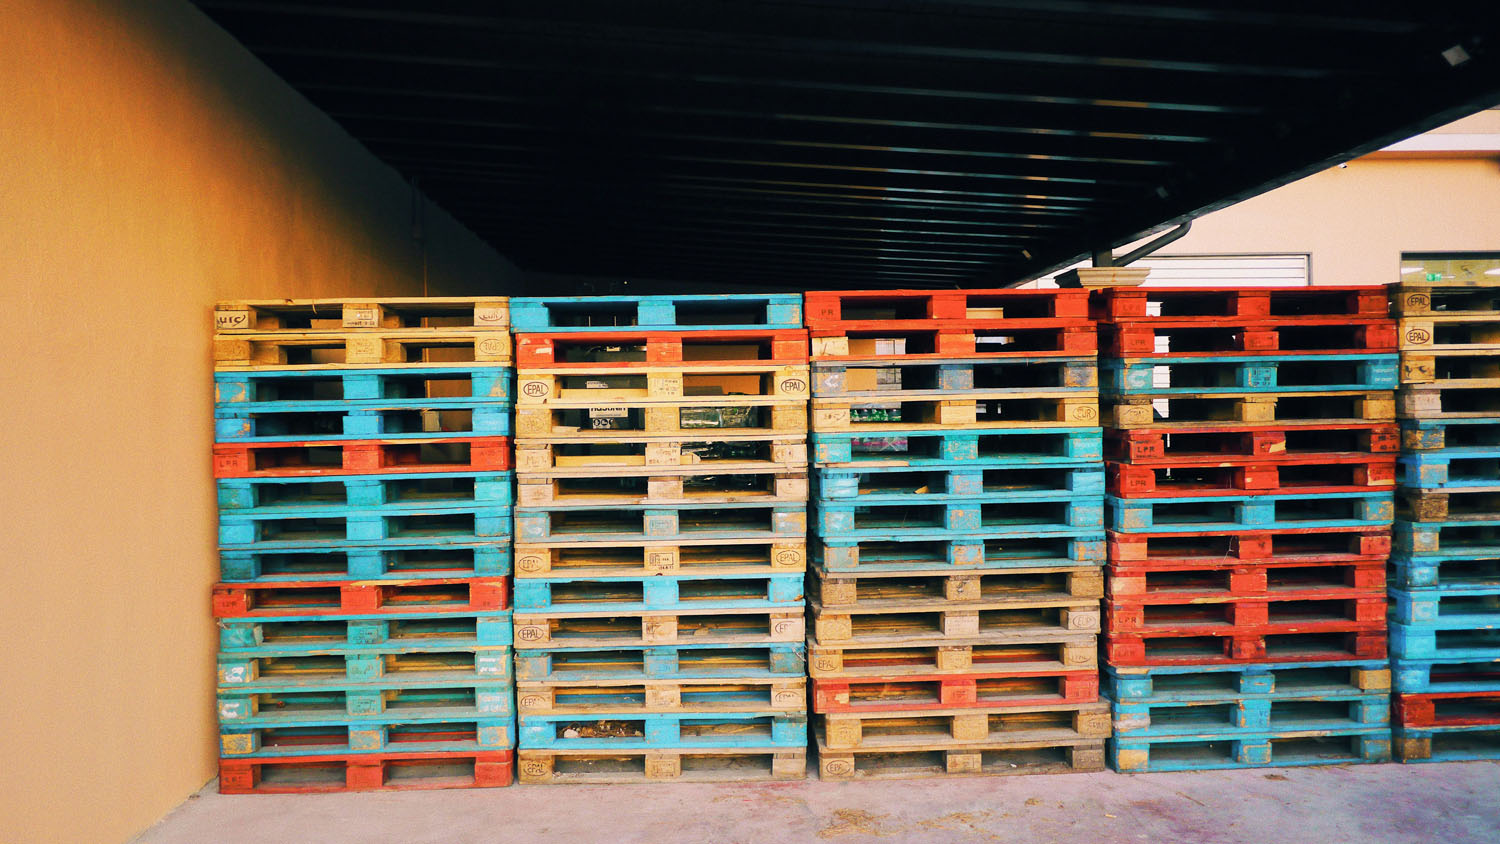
x,y
1451,803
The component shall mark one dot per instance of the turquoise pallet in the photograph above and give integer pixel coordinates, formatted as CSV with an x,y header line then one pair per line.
x,y
552,314
992,515
629,594
378,420
1455,744
1233,716
453,698
368,633
409,558
1347,745
959,377
1186,683
1250,512
1435,676
889,486
671,731
1239,374
1462,637
1451,468
334,665
315,736
1477,538
1447,572
337,494
272,388
1039,446
780,660
764,522
1451,606
314,529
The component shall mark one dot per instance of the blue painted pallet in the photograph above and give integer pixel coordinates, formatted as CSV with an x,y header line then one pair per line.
x,y
992,515
953,377
1187,683
1470,606
353,493
1435,676
273,388
936,486
393,420
1468,743
1429,435
1036,549
1251,512
1235,715
422,526
368,633
1472,538
263,703
1347,745
928,449
1238,374
659,592
490,557
674,730
747,520
1451,468
1460,638
654,313
309,736
274,669
1450,573
767,660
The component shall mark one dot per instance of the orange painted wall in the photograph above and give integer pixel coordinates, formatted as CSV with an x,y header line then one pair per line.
x,y
148,167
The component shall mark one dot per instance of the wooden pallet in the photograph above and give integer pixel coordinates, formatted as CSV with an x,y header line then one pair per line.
x,y
944,517
1198,682
413,350
680,385
361,494
1235,715
1451,470
1211,581
1452,367
1477,503
393,597
273,669
980,690
1448,744
317,458
634,314
1229,375
707,486
377,559
1449,332
1473,537
704,626
1345,746
857,310
1259,510
331,421
1264,443
900,730
626,698
323,773
1149,337
875,589
300,734
1211,304
1475,636
662,765
938,448
271,703
1210,476
952,378
300,390
625,349
293,635
305,530
1437,570
1188,412
1289,544
684,661
1364,640
1032,547
1446,675
1029,338
751,521
1048,654
663,730
936,759
633,594
1479,297
975,482
698,420
1448,709
599,454
1451,435
935,622
701,558
1449,400
301,315
1128,621
986,411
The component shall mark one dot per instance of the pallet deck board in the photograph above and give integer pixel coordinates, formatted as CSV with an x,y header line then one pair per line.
x,y
661,765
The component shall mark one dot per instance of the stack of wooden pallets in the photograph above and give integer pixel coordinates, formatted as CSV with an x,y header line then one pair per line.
x,y
364,483
1251,452
957,564
661,538
1445,590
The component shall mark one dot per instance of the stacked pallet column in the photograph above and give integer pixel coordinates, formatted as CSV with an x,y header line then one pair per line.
x,y
661,535
363,468
1251,460
958,512
1445,589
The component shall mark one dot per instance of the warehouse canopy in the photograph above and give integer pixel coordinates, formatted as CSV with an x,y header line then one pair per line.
x,y
836,143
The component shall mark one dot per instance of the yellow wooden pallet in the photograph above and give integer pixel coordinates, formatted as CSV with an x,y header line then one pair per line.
x,y
1042,722
598,454
436,313
702,558
702,626
902,588
658,384
1048,654
729,486
730,764
938,759
1021,409
1212,411
699,419
335,350
935,621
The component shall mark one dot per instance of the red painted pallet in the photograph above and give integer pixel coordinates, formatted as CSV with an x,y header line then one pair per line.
x,y
1341,610
1207,304
1232,578
1451,709
1148,337
366,772
363,597
1187,477
1267,443
1240,647
1289,544
906,693
629,349
361,457
1036,338
858,310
